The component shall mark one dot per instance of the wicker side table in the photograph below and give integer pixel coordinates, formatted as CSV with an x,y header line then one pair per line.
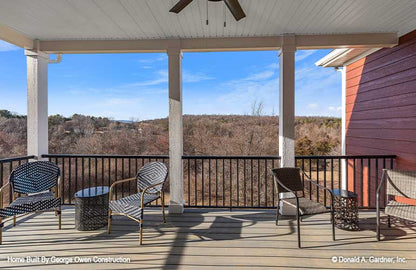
x,y
91,208
346,209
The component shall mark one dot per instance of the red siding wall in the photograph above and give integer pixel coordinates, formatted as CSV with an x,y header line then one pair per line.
x,y
381,104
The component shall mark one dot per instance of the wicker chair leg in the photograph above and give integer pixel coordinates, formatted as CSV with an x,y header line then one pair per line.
x,y
141,232
389,221
277,210
14,220
333,225
109,222
163,209
298,225
1,230
277,215
59,212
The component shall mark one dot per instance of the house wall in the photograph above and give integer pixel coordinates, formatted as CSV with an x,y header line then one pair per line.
x,y
381,108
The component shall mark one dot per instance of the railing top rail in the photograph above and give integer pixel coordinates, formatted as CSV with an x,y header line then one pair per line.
x,y
103,156
197,157
15,159
230,157
346,157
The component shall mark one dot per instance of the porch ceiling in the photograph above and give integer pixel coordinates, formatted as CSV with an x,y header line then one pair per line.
x,y
151,19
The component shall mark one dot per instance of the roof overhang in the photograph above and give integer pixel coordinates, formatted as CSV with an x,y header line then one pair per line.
x,y
341,57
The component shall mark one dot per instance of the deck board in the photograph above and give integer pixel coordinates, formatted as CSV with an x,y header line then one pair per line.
x,y
207,239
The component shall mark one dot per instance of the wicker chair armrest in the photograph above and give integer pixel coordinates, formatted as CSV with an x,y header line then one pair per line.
x,y
57,189
1,193
119,182
320,186
144,191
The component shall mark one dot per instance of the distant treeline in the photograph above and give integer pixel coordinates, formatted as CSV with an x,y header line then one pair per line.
x,y
203,135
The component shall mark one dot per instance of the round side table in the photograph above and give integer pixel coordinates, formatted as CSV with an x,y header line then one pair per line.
x,y
91,208
345,209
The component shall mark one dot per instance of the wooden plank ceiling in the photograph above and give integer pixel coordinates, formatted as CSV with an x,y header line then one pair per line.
x,y
150,19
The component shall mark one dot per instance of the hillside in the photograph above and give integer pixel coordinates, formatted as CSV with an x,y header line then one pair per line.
x,y
203,135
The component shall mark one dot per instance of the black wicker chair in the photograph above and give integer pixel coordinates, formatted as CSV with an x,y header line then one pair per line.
x,y
402,184
150,181
289,180
35,187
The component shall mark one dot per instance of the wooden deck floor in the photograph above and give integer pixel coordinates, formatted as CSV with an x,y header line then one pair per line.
x,y
205,239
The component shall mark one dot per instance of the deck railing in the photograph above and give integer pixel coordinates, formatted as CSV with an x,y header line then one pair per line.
x,y
362,175
227,181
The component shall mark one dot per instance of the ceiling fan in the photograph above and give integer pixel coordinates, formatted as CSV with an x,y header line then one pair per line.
x,y
233,6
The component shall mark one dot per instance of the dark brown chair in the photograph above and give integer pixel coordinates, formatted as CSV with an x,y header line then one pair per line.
x,y
288,180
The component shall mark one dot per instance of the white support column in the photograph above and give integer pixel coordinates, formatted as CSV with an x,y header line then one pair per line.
x,y
176,203
343,127
287,102
37,103
287,112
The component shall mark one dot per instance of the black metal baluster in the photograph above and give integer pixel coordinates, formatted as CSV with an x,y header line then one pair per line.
x,y
258,183
231,184
252,184
223,182
354,175
216,182
245,182
116,177
202,180
317,180
265,179
69,181
369,182
122,177
76,174
189,183
209,179
196,183
310,175
362,181
324,181
332,174
346,173
238,185
82,173
63,181
89,172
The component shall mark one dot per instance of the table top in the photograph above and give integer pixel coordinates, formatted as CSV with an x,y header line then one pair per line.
x,y
92,192
344,193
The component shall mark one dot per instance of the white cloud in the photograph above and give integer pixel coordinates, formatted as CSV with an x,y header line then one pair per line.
x,y
6,47
189,77
159,58
260,76
335,109
313,106
301,55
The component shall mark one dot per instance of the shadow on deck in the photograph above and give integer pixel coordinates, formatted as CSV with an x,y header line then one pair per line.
x,y
205,239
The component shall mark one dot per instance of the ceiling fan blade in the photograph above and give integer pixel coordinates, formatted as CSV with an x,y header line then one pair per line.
x,y
235,8
180,5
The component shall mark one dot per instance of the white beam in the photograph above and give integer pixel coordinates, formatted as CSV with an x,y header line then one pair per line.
x,y
176,203
15,38
220,44
37,103
287,103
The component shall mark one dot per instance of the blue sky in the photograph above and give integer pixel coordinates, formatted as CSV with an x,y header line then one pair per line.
x,y
126,86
